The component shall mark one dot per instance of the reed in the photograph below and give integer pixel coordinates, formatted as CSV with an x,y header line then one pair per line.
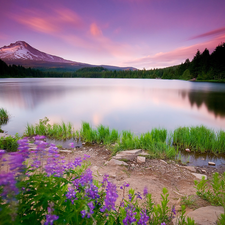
x,y
157,142
199,139
56,131
4,116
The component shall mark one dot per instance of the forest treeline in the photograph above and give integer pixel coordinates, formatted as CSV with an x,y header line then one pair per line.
x,y
203,66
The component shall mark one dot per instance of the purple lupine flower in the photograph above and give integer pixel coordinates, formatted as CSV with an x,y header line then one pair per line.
x,y
50,219
144,218
71,193
163,223
130,197
138,194
145,192
91,207
111,196
124,185
86,157
130,215
174,210
83,213
92,191
77,161
39,137
105,180
8,182
16,162
1,153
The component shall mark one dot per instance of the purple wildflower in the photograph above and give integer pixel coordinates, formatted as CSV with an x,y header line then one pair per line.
x,y
83,213
124,185
77,161
144,218
138,194
39,137
50,219
130,197
145,192
71,193
8,182
163,223
91,207
130,215
174,210
111,196
105,180
92,191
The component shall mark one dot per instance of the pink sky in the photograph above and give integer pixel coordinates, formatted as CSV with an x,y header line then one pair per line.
x,y
139,33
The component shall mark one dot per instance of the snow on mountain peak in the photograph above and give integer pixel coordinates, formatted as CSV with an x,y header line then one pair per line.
x,y
23,51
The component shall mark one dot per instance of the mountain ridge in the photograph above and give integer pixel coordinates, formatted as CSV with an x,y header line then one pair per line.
x,y
21,53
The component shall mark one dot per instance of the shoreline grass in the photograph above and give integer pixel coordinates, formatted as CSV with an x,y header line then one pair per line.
x,y
4,116
158,142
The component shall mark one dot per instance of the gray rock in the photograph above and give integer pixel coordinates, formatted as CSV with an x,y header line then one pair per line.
x,y
190,168
199,176
187,150
211,163
127,155
140,159
206,215
114,162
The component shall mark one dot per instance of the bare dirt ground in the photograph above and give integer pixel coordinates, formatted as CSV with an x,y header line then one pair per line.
x,y
153,174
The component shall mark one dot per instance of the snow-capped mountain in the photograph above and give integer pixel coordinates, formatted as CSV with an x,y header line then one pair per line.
x,y
23,51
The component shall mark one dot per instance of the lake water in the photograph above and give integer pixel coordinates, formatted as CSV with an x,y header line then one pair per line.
x,y
124,104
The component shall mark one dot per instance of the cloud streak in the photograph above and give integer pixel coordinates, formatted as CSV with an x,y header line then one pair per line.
x,y
176,56
210,33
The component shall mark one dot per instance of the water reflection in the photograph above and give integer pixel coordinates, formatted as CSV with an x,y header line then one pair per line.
x,y
130,104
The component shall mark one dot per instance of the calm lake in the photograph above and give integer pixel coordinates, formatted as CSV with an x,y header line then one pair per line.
x,y
124,104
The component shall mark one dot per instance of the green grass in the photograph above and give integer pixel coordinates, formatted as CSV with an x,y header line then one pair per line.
x,y
157,142
57,131
200,139
9,143
4,117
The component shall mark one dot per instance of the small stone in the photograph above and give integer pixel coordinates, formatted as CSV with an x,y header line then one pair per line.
x,y
203,158
203,171
83,143
65,151
140,159
199,176
187,150
163,161
211,163
133,165
114,162
190,168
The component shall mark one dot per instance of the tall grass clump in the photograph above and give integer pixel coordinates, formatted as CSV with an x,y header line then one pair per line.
x,y
100,135
200,139
9,143
56,131
42,188
154,143
4,116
